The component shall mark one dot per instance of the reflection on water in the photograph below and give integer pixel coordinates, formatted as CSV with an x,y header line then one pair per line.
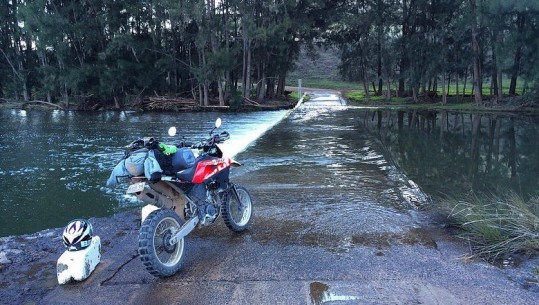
x,y
453,153
54,164
320,294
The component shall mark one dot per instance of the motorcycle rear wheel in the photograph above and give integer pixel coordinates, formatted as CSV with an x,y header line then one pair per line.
x,y
159,257
237,213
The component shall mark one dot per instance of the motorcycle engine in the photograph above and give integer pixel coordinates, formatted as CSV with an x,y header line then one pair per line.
x,y
207,212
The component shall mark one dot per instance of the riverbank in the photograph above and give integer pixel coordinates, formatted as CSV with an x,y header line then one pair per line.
x,y
510,104
160,104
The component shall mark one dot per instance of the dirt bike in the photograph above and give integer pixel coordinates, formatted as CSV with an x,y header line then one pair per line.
x,y
180,201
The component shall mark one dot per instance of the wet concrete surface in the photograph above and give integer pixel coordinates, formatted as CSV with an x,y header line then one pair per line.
x,y
334,223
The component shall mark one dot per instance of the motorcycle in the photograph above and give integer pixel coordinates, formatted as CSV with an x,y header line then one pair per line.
x,y
185,196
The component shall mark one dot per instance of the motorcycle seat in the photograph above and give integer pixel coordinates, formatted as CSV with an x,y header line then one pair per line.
x,y
186,174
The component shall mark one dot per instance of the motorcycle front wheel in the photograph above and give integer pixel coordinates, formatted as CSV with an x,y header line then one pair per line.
x,y
160,257
237,210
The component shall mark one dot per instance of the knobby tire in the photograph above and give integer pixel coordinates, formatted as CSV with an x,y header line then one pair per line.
x,y
156,228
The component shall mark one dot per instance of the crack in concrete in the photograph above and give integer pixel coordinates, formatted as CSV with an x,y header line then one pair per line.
x,y
104,282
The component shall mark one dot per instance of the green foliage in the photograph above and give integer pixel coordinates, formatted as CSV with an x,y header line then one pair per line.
x,y
420,44
497,227
103,50
326,84
355,95
294,96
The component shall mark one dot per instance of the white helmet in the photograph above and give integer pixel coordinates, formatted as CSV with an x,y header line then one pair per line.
x,y
78,234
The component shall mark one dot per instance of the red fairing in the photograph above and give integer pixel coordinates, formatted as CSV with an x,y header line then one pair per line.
x,y
207,168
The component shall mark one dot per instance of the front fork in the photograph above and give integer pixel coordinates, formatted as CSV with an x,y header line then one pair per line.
x,y
234,192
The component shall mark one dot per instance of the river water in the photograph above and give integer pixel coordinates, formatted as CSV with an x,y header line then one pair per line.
x,y
451,153
54,164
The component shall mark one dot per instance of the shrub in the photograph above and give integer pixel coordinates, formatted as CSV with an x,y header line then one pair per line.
x,y
497,227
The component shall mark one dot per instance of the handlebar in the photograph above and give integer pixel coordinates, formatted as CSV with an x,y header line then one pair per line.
x,y
207,145
215,139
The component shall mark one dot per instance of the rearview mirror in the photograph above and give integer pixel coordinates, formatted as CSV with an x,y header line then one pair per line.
x,y
172,131
218,123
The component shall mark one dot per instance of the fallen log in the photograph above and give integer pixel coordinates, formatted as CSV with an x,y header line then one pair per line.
x,y
251,102
44,103
211,108
165,103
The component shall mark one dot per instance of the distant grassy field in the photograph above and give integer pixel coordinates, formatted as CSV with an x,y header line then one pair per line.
x,y
343,85
355,91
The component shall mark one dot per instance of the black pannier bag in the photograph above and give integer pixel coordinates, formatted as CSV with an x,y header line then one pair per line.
x,y
182,159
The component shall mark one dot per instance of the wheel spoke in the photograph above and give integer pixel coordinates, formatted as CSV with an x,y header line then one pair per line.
x,y
238,209
159,256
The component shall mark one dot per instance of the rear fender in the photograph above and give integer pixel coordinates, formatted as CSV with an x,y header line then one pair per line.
x,y
164,195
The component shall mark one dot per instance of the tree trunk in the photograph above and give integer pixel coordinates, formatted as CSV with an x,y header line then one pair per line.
x,y
221,91
270,91
281,84
494,75
388,86
515,71
262,87
500,84
379,69
465,83
478,78
200,95
246,77
18,60
404,62
495,82
457,92
444,92
205,82
66,97
116,103
448,83
366,88
518,55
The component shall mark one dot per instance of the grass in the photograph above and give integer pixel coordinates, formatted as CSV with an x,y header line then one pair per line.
x,y
294,96
355,92
355,95
497,227
328,84
452,90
